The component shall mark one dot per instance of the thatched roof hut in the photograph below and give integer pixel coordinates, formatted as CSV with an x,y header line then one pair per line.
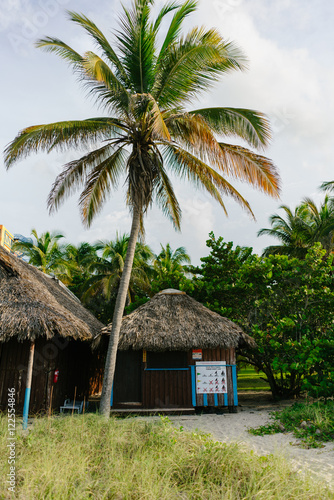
x,y
32,304
42,325
173,321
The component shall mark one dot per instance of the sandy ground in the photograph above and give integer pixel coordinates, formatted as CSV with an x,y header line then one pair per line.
x,y
233,427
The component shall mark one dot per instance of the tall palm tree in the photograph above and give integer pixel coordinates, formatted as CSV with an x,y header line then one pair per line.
x,y
43,253
145,86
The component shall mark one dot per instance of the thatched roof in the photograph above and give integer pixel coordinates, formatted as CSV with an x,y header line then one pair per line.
x,y
33,304
173,321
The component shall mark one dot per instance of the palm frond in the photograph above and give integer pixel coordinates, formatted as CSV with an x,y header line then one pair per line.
x,y
60,48
166,9
60,136
250,125
175,26
192,65
190,167
327,186
102,42
74,175
136,42
243,164
99,182
195,135
166,198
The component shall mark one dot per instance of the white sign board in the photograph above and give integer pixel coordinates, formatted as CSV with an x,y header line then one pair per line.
x,y
211,377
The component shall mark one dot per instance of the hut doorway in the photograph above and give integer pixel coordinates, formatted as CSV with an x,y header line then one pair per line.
x,y
128,378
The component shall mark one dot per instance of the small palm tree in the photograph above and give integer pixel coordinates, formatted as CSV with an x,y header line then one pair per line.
x,y
145,88
44,253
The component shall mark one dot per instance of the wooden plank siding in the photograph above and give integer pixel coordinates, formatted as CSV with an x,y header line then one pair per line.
x,y
173,389
167,389
72,358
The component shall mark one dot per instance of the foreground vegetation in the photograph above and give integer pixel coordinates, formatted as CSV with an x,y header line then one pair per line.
x,y
312,423
88,457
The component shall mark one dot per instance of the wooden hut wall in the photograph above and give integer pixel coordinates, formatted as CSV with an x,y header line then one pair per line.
x,y
163,388
71,358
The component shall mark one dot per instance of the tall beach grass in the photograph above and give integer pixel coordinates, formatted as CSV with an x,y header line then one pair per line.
x,y
87,457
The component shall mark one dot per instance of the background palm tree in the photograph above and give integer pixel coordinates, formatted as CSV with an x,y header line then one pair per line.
x,y
145,87
107,269
321,222
293,232
78,261
302,228
44,252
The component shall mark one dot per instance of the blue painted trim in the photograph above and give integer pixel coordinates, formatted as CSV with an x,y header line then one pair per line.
x,y
225,399
112,395
205,400
165,369
215,399
26,407
193,385
234,379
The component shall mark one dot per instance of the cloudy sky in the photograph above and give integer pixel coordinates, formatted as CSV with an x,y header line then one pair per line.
x,y
289,45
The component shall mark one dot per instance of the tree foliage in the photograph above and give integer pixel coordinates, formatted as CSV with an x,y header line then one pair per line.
x,y
285,303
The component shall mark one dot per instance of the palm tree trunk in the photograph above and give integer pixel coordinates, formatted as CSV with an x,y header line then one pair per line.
x,y
109,370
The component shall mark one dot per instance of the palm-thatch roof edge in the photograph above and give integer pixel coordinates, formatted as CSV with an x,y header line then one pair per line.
x,y
174,321
32,305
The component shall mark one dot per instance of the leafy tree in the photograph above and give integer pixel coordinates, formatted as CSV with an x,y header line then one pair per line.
x,y
44,252
145,88
285,303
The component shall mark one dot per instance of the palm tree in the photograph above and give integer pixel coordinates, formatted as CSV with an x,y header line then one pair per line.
x,y
321,221
144,87
294,232
169,261
327,186
78,261
302,228
106,271
45,253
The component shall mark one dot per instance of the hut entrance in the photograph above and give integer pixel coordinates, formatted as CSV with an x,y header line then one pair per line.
x,y
127,381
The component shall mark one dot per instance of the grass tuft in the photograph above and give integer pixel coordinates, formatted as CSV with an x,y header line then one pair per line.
x,y
312,423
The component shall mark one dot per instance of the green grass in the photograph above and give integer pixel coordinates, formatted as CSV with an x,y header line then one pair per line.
x,y
87,457
250,380
312,423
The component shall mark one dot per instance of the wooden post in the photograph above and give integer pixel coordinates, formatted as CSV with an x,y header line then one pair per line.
x,y
28,385
75,393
